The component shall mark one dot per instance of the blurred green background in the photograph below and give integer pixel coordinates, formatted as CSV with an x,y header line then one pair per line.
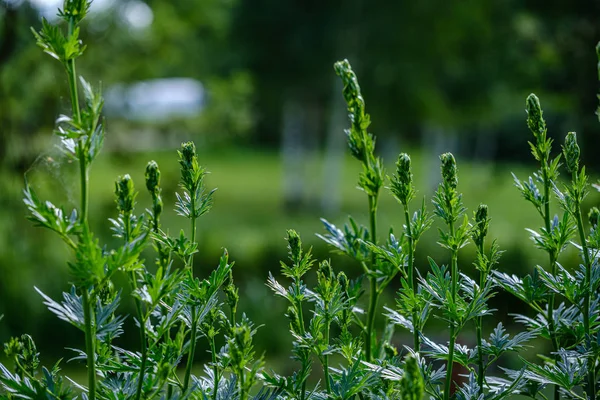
x,y
252,83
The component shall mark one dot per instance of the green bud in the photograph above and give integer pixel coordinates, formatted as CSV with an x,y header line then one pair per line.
x,y
449,170
75,10
390,351
535,119
571,152
325,269
412,387
402,182
239,344
232,293
187,155
125,194
351,92
482,223
107,293
13,347
24,351
152,177
191,173
294,245
594,217
343,281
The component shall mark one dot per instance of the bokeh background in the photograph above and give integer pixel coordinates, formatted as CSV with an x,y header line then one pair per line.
x,y
252,83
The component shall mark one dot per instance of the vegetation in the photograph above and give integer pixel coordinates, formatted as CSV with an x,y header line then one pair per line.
x,y
352,349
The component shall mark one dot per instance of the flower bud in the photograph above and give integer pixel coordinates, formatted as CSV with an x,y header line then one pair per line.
x,y
390,351
343,281
152,177
125,194
480,229
571,152
449,171
325,269
294,245
412,386
535,119
402,182
190,171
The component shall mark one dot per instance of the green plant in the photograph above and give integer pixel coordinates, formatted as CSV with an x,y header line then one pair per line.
x,y
333,336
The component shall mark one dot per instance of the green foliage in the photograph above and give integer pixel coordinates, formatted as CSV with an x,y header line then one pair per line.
x,y
174,308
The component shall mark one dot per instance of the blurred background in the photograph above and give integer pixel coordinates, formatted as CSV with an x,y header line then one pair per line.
x,y
251,83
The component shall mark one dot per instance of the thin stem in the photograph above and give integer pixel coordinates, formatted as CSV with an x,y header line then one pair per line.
x,y
89,344
591,389
326,358
190,266
243,394
301,321
479,322
448,383
140,314
190,361
143,343
411,277
374,295
84,187
552,256
213,349
454,278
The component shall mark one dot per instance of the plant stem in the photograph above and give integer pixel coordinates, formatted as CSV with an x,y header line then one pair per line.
x,y
190,361
213,349
374,295
326,358
448,383
84,187
89,344
243,394
454,278
411,277
143,344
586,300
552,256
194,322
301,320
140,314
479,324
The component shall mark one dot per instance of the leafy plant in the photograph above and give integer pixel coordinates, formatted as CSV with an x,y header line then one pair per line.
x,y
336,341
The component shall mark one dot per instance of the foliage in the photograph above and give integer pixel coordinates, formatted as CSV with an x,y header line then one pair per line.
x,y
174,308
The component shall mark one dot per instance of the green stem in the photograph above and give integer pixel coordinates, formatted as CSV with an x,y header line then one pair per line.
x,y
326,358
454,283
89,344
411,277
190,266
301,321
586,300
140,314
479,322
448,383
552,256
190,361
243,394
374,295
84,179
143,343
213,349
